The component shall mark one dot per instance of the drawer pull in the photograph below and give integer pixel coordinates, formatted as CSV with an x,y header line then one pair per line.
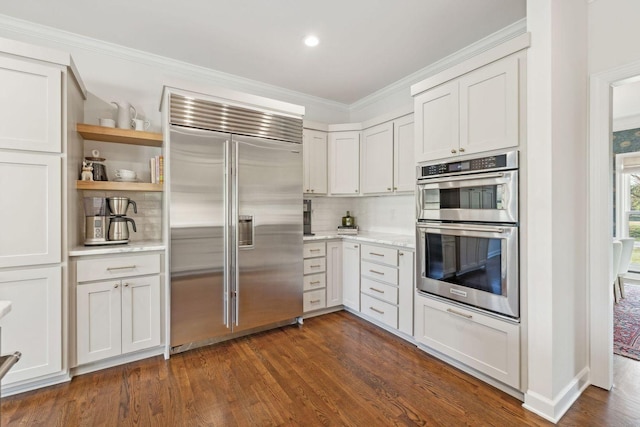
x,y
376,310
314,301
468,316
376,272
314,250
401,253
315,282
126,285
126,267
376,254
116,286
316,266
377,290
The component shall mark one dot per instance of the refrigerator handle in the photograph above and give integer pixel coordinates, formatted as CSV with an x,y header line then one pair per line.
x,y
236,269
227,261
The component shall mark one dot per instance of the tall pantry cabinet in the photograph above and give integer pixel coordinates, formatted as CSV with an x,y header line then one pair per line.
x,y
42,100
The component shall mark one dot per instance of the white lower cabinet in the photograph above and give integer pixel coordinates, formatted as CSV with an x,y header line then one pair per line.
x,y
34,324
334,274
351,275
315,276
119,315
482,342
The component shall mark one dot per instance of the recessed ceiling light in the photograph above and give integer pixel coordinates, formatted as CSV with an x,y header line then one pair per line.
x,y
311,41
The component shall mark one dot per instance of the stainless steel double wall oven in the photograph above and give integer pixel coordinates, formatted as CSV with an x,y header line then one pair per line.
x,y
467,232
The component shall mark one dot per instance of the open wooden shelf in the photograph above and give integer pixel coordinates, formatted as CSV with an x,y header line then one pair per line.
x,y
118,186
121,136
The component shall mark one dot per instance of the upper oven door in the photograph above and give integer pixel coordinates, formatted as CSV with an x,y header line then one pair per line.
x,y
484,197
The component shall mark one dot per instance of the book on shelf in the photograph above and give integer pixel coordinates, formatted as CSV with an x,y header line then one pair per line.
x,y
156,165
343,229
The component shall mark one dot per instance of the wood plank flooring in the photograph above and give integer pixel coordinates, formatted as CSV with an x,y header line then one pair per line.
x,y
335,370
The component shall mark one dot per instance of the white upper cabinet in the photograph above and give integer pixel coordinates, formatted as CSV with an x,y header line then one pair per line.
x,y
31,106
315,161
404,164
476,112
30,194
377,159
344,163
388,164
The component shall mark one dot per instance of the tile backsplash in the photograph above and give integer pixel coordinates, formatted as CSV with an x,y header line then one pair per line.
x,y
384,214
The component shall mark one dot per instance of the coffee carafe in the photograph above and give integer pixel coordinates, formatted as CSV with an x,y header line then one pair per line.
x,y
118,226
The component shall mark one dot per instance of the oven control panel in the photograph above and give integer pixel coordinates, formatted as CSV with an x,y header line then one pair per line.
x,y
496,162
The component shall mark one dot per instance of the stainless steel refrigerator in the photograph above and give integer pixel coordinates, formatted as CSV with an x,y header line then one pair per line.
x,y
236,234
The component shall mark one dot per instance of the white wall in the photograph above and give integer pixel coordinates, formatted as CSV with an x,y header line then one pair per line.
x,y
613,33
556,205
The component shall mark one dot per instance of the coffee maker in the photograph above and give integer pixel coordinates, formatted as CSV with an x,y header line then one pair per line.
x,y
105,220
306,217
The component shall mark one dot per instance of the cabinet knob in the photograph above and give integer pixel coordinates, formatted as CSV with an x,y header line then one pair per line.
x,y
395,188
115,286
462,150
401,253
312,190
126,285
453,151
356,190
388,188
355,246
307,190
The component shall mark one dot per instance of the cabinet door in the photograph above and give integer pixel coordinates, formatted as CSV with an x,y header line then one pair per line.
x,y
98,309
34,324
334,274
140,313
344,163
315,161
436,123
30,196
489,107
30,106
351,275
377,159
404,164
406,289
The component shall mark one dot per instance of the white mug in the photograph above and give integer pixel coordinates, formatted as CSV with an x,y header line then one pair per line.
x,y
108,123
139,124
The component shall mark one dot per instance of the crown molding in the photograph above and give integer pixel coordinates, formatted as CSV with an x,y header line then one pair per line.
x,y
507,33
49,34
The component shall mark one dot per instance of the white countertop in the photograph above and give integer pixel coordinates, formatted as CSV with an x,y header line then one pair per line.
x,y
5,307
401,240
141,246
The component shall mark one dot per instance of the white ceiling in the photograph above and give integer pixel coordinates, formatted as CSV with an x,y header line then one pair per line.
x,y
365,45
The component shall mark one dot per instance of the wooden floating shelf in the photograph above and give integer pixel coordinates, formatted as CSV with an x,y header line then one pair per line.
x,y
118,186
121,136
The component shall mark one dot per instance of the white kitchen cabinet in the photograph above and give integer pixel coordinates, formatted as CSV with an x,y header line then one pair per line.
x,y
404,164
388,164
315,152
315,276
344,163
34,325
351,275
30,193
334,274
377,159
482,342
117,306
476,112
406,290
30,106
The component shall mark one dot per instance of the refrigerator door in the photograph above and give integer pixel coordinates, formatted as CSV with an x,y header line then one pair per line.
x,y
267,225
199,229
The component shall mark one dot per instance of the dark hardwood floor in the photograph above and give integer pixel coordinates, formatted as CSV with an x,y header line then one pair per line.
x,y
335,370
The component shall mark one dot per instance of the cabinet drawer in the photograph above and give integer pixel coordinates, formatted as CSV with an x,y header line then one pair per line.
x,y
314,249
116,267
379,290
378,254
314,300
379,272
314,281
490,345
314,265
382,311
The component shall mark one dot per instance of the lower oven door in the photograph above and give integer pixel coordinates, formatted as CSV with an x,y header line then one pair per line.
x,y
470,263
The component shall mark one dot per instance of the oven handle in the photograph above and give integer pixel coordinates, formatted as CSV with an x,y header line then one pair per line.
x,y
466,228
462,178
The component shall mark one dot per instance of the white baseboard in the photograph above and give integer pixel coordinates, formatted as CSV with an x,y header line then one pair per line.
x,y
29,385
116,361
553,410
